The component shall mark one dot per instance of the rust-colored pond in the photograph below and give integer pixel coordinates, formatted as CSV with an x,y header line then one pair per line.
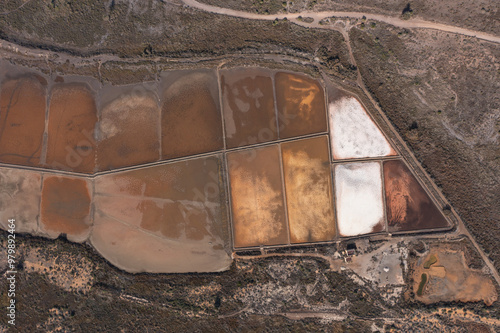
x,y
258,210
22,120
129,132
301,105
308,188
191,119
72,119
66,207
248,106
408,205
178,208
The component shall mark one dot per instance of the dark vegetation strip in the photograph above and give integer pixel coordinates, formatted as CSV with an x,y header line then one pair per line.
x,y
422,284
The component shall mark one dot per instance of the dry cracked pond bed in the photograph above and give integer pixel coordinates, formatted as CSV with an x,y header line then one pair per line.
x,y
175,174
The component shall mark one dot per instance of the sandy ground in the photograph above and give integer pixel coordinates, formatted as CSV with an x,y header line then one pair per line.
x,y
20,199
353,133
358,191
68,271
22,120
190,116
248,106
383,266
308,188
71,123
121,123
258,209
301,105
450,279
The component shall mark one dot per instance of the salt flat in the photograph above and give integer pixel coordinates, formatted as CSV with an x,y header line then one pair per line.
x,y
358,189
353,133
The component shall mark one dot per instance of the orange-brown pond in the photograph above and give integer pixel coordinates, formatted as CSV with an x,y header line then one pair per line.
x,y
408,205
176,208
66,207
128,132
301,105
248,106
191,118
258,209
22,120
72,118
308,189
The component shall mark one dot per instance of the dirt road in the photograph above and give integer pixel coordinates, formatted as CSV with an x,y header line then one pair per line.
x,y
318,16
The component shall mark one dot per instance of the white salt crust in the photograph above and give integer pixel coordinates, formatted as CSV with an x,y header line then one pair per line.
x,y
353,133
358,190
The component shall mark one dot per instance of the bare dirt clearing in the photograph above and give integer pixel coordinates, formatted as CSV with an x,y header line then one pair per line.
x,y
450,279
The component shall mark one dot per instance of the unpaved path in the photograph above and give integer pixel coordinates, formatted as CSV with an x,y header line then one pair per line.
x,y
318,16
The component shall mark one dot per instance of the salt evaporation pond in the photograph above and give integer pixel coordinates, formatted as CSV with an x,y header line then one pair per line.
x,y
353,133
358,190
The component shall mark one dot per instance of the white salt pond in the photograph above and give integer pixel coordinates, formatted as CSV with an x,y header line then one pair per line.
x,y
358,188
353,133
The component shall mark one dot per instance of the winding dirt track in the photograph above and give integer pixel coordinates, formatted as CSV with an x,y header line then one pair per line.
x,y
318,16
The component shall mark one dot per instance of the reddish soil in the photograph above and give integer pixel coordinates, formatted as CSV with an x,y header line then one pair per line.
x,y
408,205
22,120
257,197
191,119
122,122
72,118
308,188
301,105
66,207
451,279
248,106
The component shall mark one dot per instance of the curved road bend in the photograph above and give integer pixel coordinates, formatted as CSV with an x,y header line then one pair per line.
x,y
318,16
